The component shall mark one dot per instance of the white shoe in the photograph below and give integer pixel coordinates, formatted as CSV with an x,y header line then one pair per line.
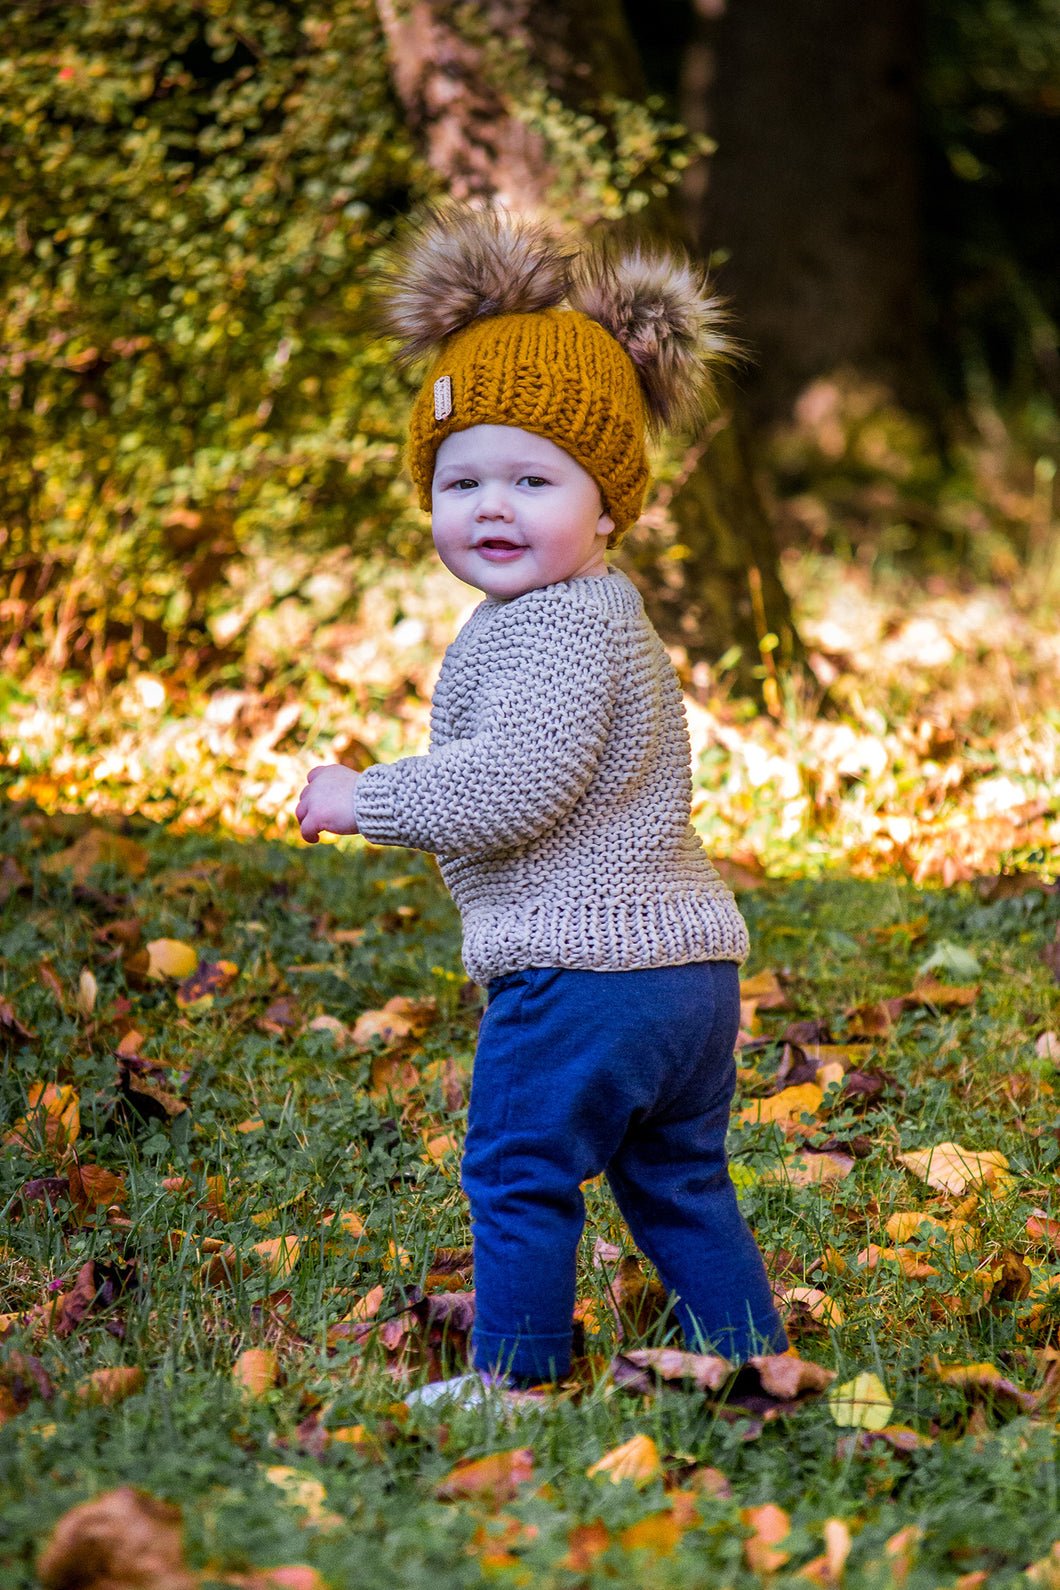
x,y
464,1391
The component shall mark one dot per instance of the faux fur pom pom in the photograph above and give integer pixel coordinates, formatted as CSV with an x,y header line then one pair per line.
x,y
659,308
463,264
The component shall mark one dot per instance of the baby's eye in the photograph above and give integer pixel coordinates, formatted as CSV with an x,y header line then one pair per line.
x,y
465,485
535,480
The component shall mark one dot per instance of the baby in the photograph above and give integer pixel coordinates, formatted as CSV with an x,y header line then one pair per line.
x,y
557,788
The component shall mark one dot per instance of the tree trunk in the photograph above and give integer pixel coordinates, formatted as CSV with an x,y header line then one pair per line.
x,y
811,199
724,594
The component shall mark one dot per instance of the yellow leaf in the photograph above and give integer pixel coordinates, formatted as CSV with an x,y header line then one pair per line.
x,y
818,1305
861,1403
787,1105
256,1370
637,1460
301,1491
769,1525
496,1477
953,1169
658,1533
170,958
439,1147
347,1221
902,1226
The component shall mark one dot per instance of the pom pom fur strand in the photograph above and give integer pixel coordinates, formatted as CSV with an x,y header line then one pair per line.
x,y
460,264
658,306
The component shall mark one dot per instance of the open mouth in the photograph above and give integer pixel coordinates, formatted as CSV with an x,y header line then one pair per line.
x,y
499,544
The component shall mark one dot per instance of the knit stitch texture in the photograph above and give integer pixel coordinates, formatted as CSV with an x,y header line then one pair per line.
x,y
557,790
555,373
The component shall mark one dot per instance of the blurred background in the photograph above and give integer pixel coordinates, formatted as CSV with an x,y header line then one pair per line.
x,y
212,571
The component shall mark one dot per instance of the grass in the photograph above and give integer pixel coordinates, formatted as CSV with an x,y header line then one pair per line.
x,y
343,930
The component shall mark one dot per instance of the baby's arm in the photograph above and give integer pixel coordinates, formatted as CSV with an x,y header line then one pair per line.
x,y
544,700
326,804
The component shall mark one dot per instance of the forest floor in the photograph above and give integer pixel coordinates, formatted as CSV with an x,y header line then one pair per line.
x,y
233,1100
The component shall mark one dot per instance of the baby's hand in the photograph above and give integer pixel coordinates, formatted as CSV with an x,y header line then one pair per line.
x,y
325,806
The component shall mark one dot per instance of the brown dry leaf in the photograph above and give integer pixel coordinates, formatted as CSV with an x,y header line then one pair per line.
x,y
787,1105
439,1147
347,1223
703,1370
256,1370
985,1382
91,1186
170,958
1048,1047
586,1542
22,1377
109,1386
399,1018
810,1303
52,1121
637,1460
208,978
827,1569
946,996
765,989
13,878
11,1027
95,847
1042,1229
875,1020
769,1525
341,1034
901,1549
122,1540
808,1169
87,989
789,1377
1046,1571
290,1576
282,1017
494,1479
955,1170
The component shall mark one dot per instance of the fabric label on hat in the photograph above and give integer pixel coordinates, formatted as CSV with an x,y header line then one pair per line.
x,y
443,397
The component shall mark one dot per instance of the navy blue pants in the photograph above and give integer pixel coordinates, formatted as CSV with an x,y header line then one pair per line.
x,y
631,1073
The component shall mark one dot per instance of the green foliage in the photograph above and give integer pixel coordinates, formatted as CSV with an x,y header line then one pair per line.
x,y
193,201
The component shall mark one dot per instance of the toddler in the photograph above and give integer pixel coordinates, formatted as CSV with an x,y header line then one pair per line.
x,y
557,788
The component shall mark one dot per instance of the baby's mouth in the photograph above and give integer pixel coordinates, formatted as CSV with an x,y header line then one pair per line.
x,y
498,549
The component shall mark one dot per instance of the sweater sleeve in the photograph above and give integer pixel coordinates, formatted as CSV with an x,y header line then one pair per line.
x,y
544,694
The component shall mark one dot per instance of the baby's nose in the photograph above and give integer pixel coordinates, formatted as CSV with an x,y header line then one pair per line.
x,y
495,504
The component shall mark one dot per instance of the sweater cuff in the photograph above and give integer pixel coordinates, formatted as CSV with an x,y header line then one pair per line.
x,y
373,807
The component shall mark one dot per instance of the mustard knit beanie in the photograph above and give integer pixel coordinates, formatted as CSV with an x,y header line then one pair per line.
x,y
590,350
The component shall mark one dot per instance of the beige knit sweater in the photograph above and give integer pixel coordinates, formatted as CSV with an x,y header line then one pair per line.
x,y
556,791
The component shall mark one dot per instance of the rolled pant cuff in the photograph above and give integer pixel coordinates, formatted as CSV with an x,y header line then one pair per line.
x,y
526,1358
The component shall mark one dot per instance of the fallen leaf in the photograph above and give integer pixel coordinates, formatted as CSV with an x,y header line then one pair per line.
x,y
1048,1047
702,1370
828,1568
256,1370
109,1386
585,1543
765,989
91,1186
278,1255
22,1377
52,1122
495,1478
861,1403
637,1460
122,1540
659,1533
98,847
205,980
902,1549
1046,1571
808,1169
810,1302
87,989
953,1169
928,991
170,958
769,1525
985,1382
11,1027
787,1105
300,1490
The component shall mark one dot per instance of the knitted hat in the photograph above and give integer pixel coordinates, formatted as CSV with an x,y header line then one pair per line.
x,y
630,351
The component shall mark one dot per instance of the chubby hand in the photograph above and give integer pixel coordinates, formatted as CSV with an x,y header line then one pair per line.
x,y
325,806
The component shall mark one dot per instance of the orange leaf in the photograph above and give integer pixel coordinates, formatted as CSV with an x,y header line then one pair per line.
x,y
901,1549
586,1543
111,1385
953,1169
495,1478
769,1525
95,847
658,1533
256,1370
53,1120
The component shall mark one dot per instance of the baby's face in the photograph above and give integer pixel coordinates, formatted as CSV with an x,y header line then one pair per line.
x,y
512,512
